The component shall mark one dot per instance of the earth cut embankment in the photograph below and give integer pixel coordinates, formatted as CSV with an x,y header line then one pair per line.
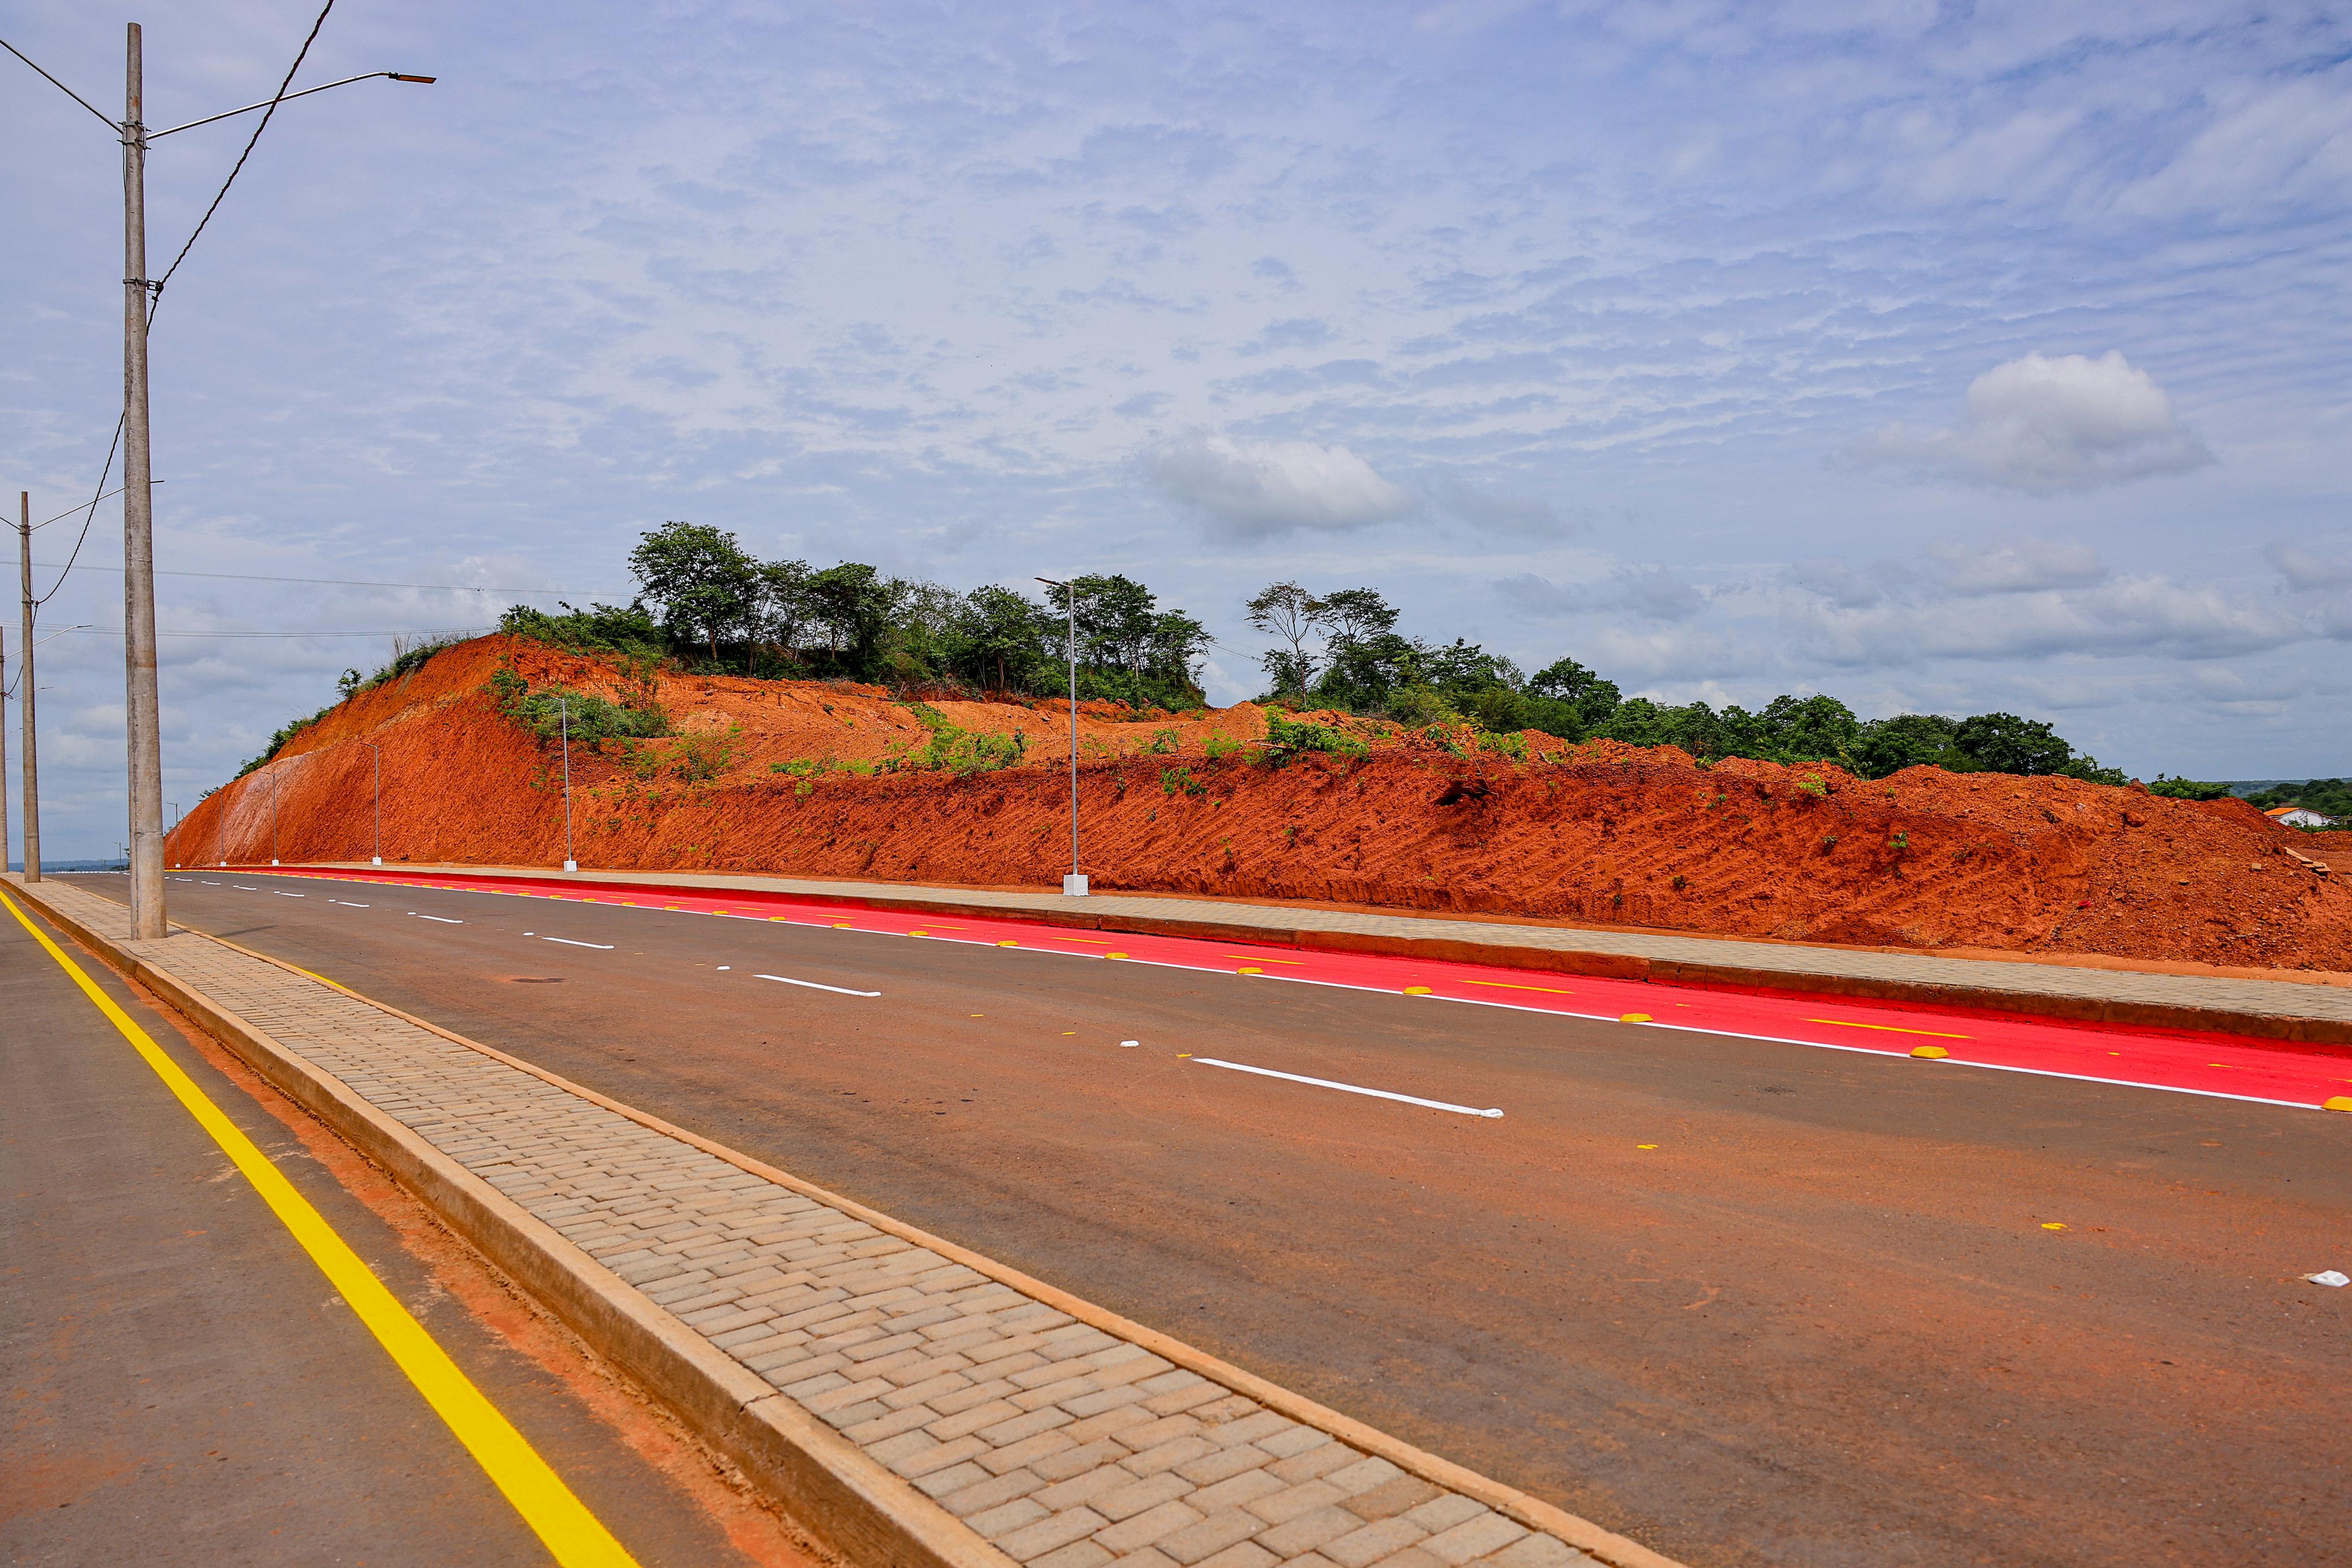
x,y
1596,834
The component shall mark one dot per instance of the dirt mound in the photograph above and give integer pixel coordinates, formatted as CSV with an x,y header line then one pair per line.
x,y
815,778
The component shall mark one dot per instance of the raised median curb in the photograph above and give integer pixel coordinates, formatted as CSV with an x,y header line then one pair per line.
x,y
2286,1012
815,1341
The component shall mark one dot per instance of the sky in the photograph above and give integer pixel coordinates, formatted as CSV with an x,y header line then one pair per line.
x,y
1940,357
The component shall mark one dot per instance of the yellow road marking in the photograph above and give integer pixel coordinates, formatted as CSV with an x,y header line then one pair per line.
x,y
1089,941
575,1536
1293,963
1555,990
1887,1028
324,982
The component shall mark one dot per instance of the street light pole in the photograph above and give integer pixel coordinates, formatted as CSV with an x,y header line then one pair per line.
x,y
372,746
1075,885
139,520
145,852
31,764
564,717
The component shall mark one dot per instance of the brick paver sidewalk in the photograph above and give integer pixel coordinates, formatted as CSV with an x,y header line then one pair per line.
x,y
1060,1444
2297,1009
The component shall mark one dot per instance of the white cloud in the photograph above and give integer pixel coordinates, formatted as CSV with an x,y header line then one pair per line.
x,y
2306,571
1264,487
2025,565
2046,423
1651,593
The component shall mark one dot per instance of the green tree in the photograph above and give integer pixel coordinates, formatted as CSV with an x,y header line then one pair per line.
x,y
1286,610
2004,743
702,579
853,607
1005,637
1569,701
1808,729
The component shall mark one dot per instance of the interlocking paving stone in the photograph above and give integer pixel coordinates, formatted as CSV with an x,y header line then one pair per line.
x,y
1063,1445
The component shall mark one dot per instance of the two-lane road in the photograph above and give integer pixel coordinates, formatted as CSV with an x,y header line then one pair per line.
x,y
1745,1300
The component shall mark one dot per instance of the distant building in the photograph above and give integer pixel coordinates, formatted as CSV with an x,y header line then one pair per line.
x,y
2298,817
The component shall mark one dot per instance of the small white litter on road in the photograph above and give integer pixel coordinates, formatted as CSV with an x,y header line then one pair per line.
x,y
1130,1043
818,986
2336,1276
1347,1088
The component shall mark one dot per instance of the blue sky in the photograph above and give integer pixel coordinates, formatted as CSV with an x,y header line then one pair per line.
x,y
1940,357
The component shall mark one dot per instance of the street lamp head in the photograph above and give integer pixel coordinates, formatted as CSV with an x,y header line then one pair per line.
x,y
398,76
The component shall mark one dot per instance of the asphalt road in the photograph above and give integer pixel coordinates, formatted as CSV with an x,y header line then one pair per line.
x,y
1745,1302
185,1387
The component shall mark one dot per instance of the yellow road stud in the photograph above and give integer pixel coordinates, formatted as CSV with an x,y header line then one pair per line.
x,y
1416,990
1929,1052
1634,1017
2338,1103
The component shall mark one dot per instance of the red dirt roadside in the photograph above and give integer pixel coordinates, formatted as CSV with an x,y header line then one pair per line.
x,y
1596,834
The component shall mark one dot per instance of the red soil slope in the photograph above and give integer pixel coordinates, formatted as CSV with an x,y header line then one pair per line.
x,y
1597,834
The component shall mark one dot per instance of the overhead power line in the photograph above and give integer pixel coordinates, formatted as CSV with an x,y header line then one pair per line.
x,y
354,583
293,636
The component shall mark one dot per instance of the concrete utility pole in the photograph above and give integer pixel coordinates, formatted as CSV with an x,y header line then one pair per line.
x,y
32,764
139,521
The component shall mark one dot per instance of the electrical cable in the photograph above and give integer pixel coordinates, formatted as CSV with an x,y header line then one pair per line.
x,y
249,144
156,288
355,582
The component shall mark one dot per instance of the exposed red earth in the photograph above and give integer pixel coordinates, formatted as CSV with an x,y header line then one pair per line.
x,y
1594,833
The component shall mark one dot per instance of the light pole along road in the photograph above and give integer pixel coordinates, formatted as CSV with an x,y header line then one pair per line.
x,y
139,294
1075,885
377,855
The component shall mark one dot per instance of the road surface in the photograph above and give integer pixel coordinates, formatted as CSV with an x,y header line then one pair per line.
x,y
1743,1298
186,1385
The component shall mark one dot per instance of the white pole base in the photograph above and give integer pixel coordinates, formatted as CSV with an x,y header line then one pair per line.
x,y
1073,886
570,865
273,860
378,861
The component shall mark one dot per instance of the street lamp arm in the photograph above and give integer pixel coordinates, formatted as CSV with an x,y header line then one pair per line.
x,y
265,103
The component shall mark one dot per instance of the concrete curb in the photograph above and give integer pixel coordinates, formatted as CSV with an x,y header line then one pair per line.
x,y
869,1515
855,1506
2330,1036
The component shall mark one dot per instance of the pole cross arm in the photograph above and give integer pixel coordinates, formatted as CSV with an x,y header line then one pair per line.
x,y
265,103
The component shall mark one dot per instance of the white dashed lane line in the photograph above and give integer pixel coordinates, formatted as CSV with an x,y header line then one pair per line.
x,y
442,918
815,986
568,942
1347,1088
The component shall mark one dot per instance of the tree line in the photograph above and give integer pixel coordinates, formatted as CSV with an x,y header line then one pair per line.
x,y
707,600
710,603
1342,650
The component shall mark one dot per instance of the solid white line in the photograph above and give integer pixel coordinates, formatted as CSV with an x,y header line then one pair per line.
x,y
1347,1088
442,918
1861,1050
813,985
568,942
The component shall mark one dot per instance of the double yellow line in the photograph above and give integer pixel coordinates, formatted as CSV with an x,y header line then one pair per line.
x,y
575,1536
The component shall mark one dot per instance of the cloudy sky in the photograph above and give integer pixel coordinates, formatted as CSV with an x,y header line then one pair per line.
x,y
1940,357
